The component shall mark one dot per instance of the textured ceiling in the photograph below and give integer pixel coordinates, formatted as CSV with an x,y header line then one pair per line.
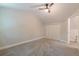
x,y
59,11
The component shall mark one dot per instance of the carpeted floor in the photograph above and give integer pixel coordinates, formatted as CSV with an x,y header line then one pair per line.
x,y
42,47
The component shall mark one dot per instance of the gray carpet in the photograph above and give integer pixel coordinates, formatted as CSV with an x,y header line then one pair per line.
x,y
42,47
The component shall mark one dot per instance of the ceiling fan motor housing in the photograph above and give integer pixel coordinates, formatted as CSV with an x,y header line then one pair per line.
x,y
46,6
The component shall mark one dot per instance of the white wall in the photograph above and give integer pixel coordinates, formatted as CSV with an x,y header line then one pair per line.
x,y
58,31
0,30
53,31
64,31
19,26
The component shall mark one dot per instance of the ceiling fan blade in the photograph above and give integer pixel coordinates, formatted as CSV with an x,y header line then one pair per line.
x,y
42,8
51,4
35,6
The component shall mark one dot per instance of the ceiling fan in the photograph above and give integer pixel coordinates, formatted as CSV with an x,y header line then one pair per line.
x,y
46,7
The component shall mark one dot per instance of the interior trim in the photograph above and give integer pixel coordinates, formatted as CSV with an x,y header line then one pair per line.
x,y
20,43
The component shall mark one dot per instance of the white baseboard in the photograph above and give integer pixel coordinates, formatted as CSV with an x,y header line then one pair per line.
x,y
20,43
62,41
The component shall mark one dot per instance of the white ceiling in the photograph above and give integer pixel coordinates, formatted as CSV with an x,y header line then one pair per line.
x,y
59,11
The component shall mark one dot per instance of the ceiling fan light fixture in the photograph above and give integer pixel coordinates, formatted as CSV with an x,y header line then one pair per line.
x,y
46,10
